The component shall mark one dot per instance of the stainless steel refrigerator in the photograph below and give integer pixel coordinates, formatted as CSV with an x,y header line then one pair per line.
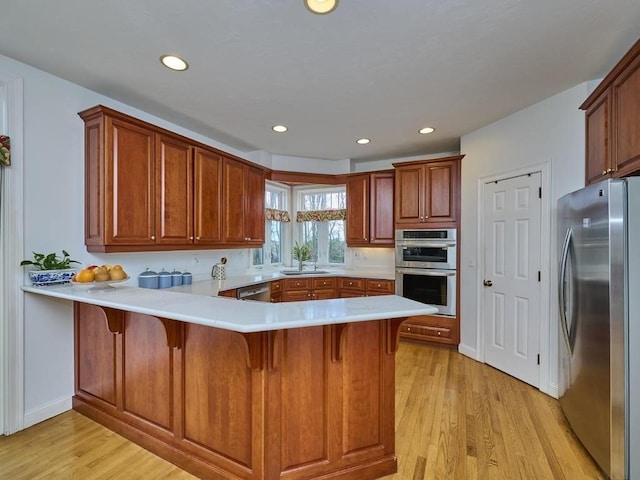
x,y
599,299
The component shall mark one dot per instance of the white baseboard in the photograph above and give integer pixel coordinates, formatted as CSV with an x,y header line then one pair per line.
x,y
552,390
47,411
468,351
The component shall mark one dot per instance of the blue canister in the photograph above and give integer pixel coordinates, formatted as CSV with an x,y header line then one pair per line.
x,y
176,278
187,278
148,279
164,279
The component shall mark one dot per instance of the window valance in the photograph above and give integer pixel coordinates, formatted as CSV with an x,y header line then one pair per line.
x,y
321,215
277,215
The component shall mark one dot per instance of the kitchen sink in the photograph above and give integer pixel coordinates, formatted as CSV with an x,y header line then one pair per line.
x,y
303,272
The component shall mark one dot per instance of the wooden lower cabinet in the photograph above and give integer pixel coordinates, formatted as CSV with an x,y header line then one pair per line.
x,y
310,288
431,328
314,402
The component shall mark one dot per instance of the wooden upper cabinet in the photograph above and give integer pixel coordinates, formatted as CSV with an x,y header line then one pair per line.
x,y
612,116
357,210
625,94
207,196
149,189
174,190
381,227
427,193
127,174
370,209
243,203
598,155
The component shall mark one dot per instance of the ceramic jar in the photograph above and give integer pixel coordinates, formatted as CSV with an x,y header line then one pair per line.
x,y
148,279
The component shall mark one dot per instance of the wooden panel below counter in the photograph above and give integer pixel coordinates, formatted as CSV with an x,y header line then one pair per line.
x,y
431,328
300,403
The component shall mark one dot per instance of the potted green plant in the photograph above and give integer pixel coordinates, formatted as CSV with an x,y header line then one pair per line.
x,y
50,269
301,253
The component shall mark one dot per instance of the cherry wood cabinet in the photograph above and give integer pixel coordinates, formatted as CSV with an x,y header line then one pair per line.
x,y
427,193
149,189
301,403
365,287
276,291
612,116
207,197
432,328
244,217
370,209
309,288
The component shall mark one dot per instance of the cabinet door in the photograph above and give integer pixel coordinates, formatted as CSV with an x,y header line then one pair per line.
x,y
254,219
174,191
233,203
597,119
440,192
409,186
625,93
129,194
381,226
207,197
358,210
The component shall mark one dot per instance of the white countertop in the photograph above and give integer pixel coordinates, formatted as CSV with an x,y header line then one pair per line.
x,y
197,304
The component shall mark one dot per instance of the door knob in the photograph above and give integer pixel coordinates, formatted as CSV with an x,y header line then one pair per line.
x,y
487,283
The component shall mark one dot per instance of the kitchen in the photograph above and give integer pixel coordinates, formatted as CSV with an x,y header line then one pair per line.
x,y
547,131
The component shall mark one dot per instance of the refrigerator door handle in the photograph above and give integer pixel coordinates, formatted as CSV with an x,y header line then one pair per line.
x,y
561,288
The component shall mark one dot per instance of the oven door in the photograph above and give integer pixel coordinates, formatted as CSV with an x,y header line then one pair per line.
x,y
441,255
431,286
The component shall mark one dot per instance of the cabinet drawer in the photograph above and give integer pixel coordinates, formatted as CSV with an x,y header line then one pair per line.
x,y
324,282
276,286
297,295
427,331
352,283
323,294
297,284
380,287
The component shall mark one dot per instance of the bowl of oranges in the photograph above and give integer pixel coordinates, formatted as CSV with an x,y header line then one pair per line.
x,y
100,277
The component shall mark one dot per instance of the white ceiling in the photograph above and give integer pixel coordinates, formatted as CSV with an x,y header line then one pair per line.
x,y
374,68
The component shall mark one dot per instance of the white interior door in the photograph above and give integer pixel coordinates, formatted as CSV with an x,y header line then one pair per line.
x,y
511,299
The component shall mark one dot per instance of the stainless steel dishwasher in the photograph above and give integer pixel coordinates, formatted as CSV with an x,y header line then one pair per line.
x,y
260,292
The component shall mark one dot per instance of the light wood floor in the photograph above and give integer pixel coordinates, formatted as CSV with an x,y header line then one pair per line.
x,y
455,419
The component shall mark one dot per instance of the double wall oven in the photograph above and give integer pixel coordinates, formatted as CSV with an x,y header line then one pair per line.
x,y
426,267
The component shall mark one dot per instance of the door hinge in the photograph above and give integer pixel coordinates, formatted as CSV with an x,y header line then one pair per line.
x,y
539,192
539,276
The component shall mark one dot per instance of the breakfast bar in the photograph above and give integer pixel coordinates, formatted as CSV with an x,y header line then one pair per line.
x,y
228,389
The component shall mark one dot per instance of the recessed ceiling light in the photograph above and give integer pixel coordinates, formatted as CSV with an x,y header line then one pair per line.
x,y
321,6
279,128
362,141
174,62
426,130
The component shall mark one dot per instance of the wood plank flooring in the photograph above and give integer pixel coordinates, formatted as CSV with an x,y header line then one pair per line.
x,y
455,419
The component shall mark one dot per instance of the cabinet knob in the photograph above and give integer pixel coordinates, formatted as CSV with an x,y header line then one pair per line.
x,y
604,172
153,237
439,333
198,238
610,170
191,237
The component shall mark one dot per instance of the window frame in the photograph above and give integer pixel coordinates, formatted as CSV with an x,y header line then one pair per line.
x,y
285,233
323,227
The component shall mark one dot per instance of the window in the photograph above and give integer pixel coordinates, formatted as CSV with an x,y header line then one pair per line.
x,y
277,215
321,213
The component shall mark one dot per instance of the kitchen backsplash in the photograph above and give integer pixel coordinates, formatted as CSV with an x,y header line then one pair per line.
x,y
199,263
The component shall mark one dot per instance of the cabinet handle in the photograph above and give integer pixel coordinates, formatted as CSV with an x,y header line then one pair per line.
x,y
604,172
153,237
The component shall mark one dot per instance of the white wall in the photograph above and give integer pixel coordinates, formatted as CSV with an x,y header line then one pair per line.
x,y
53,220
549,131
